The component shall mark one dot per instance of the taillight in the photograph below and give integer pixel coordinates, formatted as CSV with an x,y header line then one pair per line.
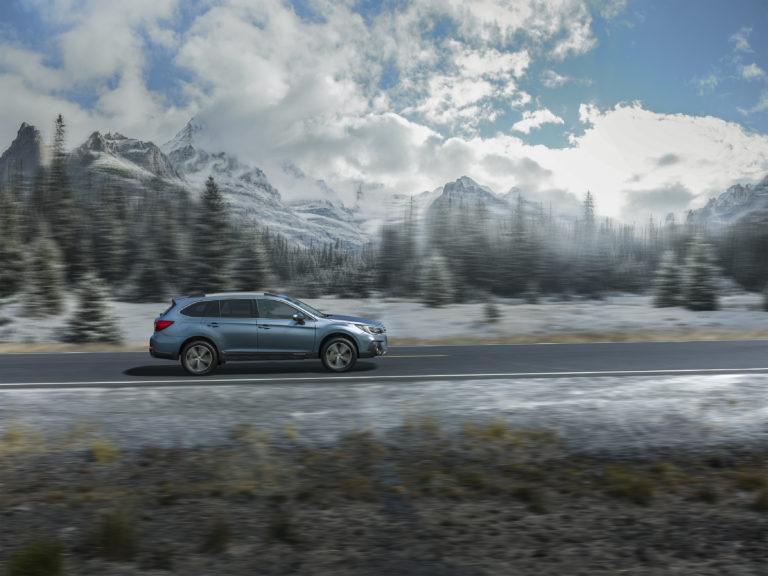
x,y
162,324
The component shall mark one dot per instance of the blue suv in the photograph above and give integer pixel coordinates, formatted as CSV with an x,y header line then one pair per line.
x,y
205,331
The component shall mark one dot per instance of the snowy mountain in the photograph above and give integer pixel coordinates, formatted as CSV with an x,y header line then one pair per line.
x,y
181,166
250,195
25,154
116,155
736,204
466,194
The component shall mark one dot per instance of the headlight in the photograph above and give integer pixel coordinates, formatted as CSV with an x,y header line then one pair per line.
x,y
370,329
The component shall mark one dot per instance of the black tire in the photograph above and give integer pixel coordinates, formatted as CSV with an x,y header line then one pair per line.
x,y
338,354
199,358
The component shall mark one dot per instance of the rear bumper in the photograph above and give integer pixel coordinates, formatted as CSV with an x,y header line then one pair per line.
x,y
158,348
155,354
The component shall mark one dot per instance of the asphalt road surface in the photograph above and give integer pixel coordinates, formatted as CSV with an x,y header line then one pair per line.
x,y
403,364
617,397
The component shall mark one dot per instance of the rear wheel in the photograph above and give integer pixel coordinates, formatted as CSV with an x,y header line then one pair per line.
x,y
338,354
199,358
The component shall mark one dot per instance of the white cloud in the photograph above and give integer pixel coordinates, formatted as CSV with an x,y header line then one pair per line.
x,y
552,79
752,72
740,41
708,83
278,89
536,119
619,154
762,105
493,64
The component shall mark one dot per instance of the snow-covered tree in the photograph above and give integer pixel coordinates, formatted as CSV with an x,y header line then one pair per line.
x,y
700,276
436,282
109,233
62,209
11,250
210,251
667,285
44,277
91,320
149,282
251,270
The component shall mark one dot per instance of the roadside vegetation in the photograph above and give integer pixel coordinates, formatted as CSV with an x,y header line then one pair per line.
x,y
487,498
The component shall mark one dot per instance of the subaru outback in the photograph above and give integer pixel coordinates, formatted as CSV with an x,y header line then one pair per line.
x,y
206,331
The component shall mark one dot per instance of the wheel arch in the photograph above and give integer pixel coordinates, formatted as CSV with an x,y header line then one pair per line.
x,y
219,359
344,335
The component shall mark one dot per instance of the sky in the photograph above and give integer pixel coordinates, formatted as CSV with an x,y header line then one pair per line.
x,y
654,106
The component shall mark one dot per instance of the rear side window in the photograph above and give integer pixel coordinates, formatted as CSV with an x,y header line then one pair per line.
x,y
239,308
202,309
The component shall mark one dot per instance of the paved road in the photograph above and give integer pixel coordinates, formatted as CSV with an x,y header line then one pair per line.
x,y
403,364
623,398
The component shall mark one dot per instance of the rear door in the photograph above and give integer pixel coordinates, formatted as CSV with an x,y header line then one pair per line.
x,y
237,326
279,333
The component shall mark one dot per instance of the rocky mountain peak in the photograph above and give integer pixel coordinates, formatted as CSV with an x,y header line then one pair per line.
x,y
25,155
114,149
739,201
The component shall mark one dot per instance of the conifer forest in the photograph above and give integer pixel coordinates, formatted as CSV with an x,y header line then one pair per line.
x,y
58,233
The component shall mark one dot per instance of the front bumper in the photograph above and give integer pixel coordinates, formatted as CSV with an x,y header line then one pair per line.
x,y
376,347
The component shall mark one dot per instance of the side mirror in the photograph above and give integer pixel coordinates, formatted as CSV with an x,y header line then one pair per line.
x,y
298,317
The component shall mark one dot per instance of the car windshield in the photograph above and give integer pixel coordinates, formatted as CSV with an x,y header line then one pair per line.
x,y
307,307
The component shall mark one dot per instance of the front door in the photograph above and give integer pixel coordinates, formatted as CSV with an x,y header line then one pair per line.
x,y
279,333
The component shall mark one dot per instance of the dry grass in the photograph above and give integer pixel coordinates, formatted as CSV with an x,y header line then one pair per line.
x,y
155,507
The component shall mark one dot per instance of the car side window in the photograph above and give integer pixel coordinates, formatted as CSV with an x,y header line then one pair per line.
x,y
275,310
202,309
236,308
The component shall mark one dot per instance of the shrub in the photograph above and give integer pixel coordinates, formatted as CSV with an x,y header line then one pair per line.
x,y
281,528
216,539
115,537
492,313
38,558
641,491
761,502
104,451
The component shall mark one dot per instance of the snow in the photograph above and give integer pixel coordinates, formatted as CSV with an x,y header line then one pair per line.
x,y
618,317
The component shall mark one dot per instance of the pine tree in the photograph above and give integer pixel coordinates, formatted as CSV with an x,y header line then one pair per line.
x,y
108,233
12,260
44,278
667,286
251,271
210,247
437,282
62,210
700,277
91,321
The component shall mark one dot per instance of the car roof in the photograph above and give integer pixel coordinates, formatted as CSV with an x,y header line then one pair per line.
x,y
236,295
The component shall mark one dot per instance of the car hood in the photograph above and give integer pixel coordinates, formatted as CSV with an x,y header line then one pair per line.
x,y
354,320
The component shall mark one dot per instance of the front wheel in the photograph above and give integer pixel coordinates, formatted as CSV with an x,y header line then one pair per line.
x,y
199,358
338,354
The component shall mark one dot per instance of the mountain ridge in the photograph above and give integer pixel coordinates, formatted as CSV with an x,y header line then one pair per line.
x,y
185,162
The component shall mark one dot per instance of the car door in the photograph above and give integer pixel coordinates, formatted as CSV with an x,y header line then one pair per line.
x,y
237,326
279,333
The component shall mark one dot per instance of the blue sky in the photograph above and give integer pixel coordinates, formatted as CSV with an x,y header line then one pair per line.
x,y
654,106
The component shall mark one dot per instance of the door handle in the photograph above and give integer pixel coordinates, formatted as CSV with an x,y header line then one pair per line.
x,y
264,327
214,324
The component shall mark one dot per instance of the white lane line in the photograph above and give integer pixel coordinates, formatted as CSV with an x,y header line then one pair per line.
x,y
139,382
